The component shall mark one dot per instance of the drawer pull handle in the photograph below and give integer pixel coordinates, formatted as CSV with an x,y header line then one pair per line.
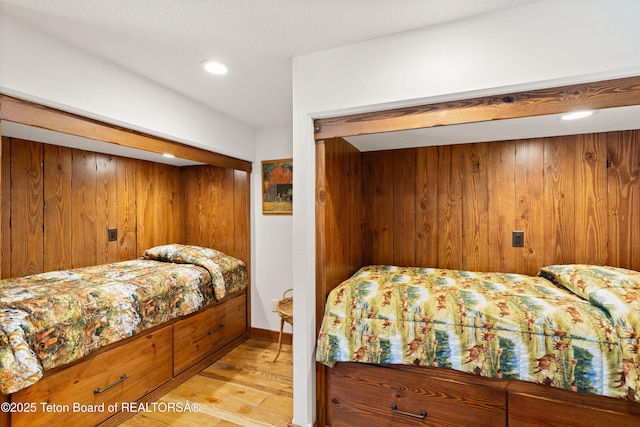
x,y
422,415
214,330
100,390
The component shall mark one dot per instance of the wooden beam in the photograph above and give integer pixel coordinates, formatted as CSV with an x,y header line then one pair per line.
x,y
28,113
597,95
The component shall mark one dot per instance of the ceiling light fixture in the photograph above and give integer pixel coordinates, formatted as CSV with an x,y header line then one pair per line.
x,y
169,155
577,115
214,67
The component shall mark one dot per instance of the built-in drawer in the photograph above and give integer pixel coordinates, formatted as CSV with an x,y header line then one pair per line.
x,y
98,387
527,410
362,394
196,337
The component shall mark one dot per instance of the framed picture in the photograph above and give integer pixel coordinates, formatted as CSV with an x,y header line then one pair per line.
x,y
277,187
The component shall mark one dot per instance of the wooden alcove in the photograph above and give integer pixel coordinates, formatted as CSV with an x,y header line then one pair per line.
x,y
577,198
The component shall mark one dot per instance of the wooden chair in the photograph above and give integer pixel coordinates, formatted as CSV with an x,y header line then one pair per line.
x,y
284,307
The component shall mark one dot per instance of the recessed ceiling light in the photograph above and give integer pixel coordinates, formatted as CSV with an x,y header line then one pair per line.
x,y
169,155
577,115
214,67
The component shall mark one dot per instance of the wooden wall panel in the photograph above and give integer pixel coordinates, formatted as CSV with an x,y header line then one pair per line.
x,y
58,203
501,205
577,199
377,201
214,217
26,203
158,205
404,206
6,208
106,208
127,222
57,208
84,209
624,199
339,202
590,193
559,174
530,208
242,215
449,193
477,227
427,170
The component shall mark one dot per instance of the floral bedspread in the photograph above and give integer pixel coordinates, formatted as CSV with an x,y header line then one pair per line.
x,y
492,324
54,318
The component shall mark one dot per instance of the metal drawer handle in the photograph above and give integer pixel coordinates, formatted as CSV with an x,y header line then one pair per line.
x,y
422,415
100,390
213,331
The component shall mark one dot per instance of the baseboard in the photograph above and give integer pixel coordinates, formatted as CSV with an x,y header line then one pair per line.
x,y
271,336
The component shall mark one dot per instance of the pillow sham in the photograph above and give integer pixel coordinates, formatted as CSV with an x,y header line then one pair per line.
x,y
614,289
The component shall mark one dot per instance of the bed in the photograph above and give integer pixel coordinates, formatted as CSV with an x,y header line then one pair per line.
x,y
51,320
572,327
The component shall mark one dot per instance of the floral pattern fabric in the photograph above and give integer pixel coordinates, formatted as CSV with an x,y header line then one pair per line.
x,y
496,325
51,319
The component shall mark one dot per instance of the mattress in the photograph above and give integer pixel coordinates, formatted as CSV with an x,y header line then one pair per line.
x,y
51,319
574,327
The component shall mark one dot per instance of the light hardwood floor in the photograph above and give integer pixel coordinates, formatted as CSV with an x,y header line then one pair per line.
x,y
244,388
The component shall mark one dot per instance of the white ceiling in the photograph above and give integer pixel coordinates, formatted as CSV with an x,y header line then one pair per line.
x,y
165,40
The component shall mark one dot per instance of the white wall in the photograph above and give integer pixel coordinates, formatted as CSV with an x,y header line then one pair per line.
x,y
273,235
41,68
542,44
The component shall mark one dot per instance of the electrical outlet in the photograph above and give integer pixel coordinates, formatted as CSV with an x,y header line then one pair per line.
x,y
517,239
273,305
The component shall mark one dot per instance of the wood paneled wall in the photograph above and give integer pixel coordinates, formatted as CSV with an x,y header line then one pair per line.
x,y
217,209
58,203
577,199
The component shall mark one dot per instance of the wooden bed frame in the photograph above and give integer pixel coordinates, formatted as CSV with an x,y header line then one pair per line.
x,y
150,204
575,197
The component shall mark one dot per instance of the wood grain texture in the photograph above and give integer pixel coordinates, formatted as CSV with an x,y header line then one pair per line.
x,y
378,207
76,195
501,205
146,363
157,205
427,170
29,113
624,199
575,197
530,208
593,95
449,193
477,227
84,208
5,225
558,200
106,208
243,388
404,206
363,396
26,203
127,219
57,208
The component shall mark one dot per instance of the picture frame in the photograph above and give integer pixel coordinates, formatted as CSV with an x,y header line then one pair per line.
x,y
277,187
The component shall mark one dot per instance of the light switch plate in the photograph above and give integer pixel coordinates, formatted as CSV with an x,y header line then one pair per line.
x,y
517,239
